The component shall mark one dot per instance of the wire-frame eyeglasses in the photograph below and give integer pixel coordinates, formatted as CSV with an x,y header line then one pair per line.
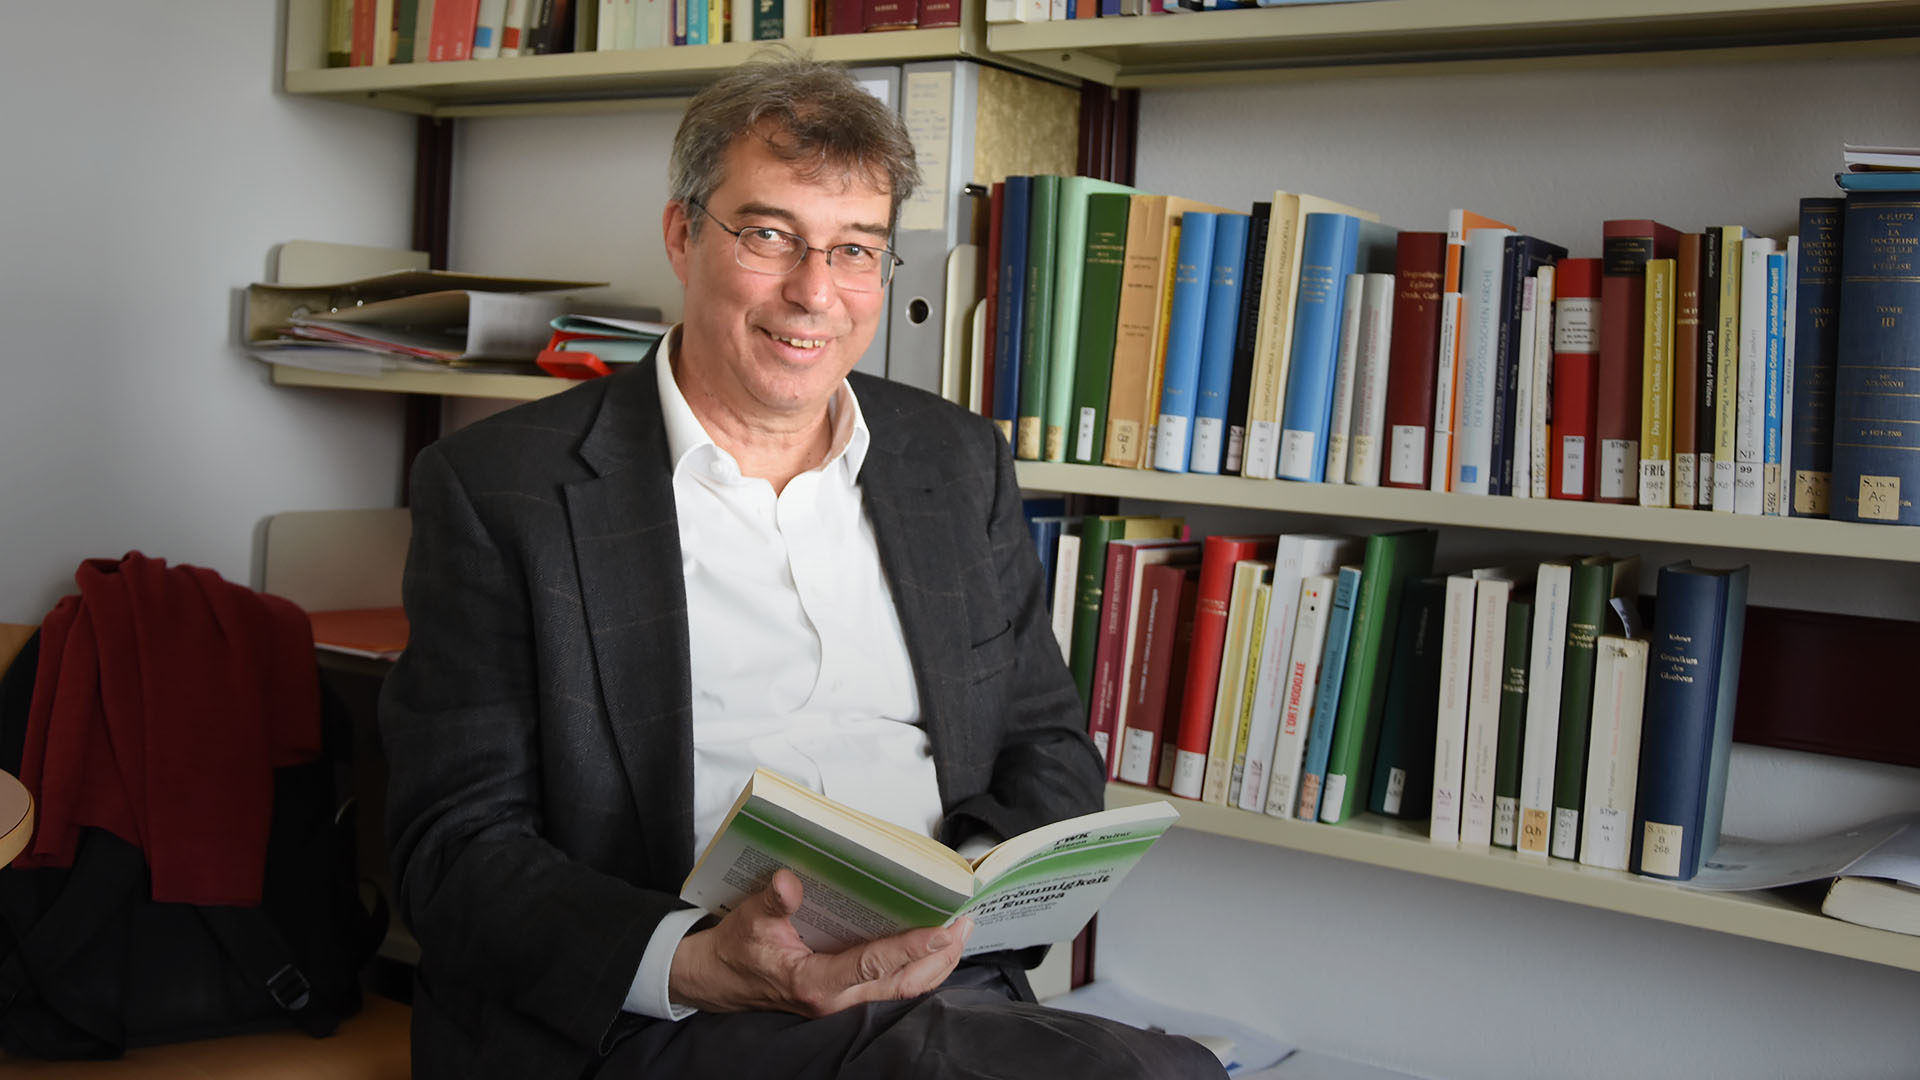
x,y
763,250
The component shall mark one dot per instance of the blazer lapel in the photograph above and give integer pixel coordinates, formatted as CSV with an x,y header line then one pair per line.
x,y
914,530
627,541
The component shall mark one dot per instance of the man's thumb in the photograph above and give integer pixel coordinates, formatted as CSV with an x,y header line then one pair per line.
x,y
783,894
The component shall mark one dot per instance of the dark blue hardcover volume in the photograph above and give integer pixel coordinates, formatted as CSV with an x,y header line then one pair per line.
x,y
1876,391
1525,256
1241,386
1816,342
1692,674
1008,333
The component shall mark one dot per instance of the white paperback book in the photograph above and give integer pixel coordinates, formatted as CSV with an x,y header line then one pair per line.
x,y
1296,556
1751,417
1542,406
1346,369
1065,580
1368,442
1541,741
1520,476
1613,750
1450,726
1481,274
1302,679
1486,674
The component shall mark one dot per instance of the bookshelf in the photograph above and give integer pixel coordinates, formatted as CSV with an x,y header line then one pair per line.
x,y
575,82
1804,536
1234,45
1773,916
446,384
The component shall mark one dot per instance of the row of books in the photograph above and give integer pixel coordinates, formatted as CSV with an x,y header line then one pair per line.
x,y
1305,340
413,31
1007,11
1317,676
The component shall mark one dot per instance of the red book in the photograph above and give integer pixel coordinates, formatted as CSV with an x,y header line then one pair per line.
x,y
1576,354
1211,594
1420,266
1626,246
453,24
846,16
1155,618
1120,598
892,14
996,214
939,13
361,54
1177,676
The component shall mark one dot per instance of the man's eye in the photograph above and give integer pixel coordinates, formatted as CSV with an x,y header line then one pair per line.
x,y
856,253
770,237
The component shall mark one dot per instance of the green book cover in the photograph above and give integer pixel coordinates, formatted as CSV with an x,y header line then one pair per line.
x,y
1403,763
1069,278
1595,583
1099,317
1513,722
1036,325
403,43
1392,559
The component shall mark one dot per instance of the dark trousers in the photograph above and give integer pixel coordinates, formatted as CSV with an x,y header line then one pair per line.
x,y
982,1024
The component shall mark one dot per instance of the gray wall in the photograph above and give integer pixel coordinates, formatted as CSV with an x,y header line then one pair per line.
x,y
147,165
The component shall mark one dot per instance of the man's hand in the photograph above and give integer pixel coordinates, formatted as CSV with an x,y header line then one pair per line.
x,y
754,959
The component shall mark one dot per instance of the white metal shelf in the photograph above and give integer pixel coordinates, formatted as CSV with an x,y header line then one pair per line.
x,y
1806,536
1398,845
450,383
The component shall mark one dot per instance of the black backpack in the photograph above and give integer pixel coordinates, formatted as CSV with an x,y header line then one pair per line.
x,y
90,965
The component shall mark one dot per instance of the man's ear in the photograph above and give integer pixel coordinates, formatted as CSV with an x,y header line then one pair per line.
x,y
676,230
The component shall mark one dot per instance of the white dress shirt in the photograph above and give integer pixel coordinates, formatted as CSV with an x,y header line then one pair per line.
x,y
798,661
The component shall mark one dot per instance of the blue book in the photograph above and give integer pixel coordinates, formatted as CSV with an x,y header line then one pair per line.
x,y
1329,245
1877,181
1525,255
1218,343
1046,532
1816,342
1186,326
1326,697
1876,395
1686,735
1008,335
1770,442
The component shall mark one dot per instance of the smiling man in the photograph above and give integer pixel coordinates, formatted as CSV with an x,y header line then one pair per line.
x,y
627,597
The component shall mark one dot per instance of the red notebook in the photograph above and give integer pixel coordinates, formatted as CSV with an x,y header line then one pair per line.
x,y
1576,353
1626,247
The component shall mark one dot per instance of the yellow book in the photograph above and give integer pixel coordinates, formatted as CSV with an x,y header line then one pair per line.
x,y
1243,723
1656,387
1234,665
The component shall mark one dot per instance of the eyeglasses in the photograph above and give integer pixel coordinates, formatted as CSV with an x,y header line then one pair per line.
x,y
853,267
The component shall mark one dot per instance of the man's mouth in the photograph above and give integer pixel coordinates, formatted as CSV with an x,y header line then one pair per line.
x,y
799,342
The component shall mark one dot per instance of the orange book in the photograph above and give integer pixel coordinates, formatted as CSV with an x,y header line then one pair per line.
x,y
1446,387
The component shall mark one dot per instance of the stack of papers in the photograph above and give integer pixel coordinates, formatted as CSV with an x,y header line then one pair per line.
x,y
432,320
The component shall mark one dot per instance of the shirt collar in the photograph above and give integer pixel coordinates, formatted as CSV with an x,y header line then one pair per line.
x,y
685,433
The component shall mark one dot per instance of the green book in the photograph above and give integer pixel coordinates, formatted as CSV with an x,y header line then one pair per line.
x,y
1595,583
1403,764
1099,319
1069,278
403,43
1513,722
1036,326
1392,560
1096,532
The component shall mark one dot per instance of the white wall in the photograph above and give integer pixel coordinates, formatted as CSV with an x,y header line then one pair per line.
x,y
147,165
1452,980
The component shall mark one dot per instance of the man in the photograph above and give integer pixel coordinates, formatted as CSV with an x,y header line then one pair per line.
x,y
625,597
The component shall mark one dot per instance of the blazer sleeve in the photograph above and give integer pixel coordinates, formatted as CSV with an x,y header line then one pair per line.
x,y
1045,767
502,914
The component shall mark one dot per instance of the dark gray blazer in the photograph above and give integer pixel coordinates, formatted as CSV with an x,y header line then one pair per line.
x,y
538,730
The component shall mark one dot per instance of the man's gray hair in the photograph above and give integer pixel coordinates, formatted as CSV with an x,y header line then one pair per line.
x,y
811,114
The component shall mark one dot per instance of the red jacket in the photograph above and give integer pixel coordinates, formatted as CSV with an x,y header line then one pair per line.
x,y
163,701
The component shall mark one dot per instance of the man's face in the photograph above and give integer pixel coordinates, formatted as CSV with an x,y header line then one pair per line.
x,y
767,347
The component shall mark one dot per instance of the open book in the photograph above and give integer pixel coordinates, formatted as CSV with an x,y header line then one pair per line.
x,y
865,878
